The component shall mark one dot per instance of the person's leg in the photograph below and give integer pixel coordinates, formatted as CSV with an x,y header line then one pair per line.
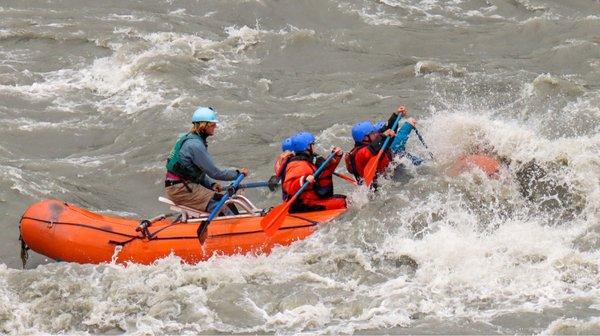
x,y
196,197
225,210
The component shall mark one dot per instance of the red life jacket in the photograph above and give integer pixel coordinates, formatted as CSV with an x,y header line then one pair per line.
x,y
297,167
357,159
300,166
350,160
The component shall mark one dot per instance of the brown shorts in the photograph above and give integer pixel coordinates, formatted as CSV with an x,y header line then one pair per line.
x,y
198,198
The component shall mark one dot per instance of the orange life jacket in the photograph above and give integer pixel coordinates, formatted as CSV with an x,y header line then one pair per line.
x,y
281,163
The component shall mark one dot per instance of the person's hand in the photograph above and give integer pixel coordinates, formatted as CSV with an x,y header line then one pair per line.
x,y
217,187
412,121
389,133
337,151
244,171
310,178
401,111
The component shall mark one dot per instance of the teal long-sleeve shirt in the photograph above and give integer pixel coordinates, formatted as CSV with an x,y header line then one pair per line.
x,y
401,138
194,152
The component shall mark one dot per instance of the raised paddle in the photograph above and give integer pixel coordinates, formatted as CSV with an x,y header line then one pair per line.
x,y
423,142
202,229
273,220
371,167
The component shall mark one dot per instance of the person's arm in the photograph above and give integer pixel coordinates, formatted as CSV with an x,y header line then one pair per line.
x,y
390,122
207,182
376,144
202,159
400,111
332,165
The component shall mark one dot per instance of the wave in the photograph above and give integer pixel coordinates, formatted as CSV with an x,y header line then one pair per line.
x,y
587,326
428,67
126,80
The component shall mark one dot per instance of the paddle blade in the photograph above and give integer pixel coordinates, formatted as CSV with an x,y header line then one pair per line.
x,y
273,220
202,232
371,169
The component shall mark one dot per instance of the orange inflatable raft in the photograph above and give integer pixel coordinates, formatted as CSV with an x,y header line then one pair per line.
x,y
65,232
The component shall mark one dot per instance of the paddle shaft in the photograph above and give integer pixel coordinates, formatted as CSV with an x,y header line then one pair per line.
x,y
254,185
423,142
204,226
272,184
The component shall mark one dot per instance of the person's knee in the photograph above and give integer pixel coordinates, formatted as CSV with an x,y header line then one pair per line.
x,y
224,211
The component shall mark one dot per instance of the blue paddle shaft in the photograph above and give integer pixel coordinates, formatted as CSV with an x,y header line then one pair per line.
x,y
225,197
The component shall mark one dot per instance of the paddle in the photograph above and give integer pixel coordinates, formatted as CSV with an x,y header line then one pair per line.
x,y
423,142
273,220
202,229
270,184
371,167
347,178
254,185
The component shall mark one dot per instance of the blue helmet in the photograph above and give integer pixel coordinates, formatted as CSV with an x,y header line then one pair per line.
x,y
301,141
380,125
362,129
207,114
286,144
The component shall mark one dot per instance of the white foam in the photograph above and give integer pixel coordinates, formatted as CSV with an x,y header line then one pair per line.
x,y
589,326
30,184
122,81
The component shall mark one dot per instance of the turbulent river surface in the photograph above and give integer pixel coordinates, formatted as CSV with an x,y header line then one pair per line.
x,y
94,93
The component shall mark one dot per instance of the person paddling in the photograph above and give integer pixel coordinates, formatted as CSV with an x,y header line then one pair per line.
x,y
191,170
301,167
369,138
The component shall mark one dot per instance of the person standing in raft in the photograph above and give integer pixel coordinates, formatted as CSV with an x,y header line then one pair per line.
x,y
191,170
369,138
301,167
